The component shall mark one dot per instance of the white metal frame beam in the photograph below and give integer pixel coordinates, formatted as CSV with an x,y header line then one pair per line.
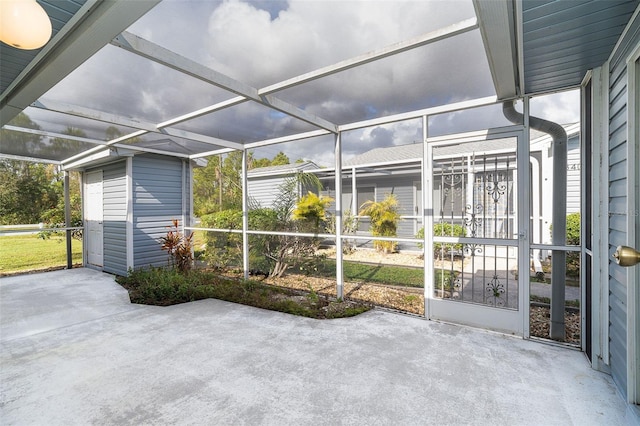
x,y
84,112
53,135
456,106
104,117
394,49
146,49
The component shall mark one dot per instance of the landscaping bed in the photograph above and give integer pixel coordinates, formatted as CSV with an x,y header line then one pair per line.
x,y
166,286
404,299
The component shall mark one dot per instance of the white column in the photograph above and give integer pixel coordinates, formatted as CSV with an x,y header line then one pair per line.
x,y
523,214
245,217
338,183
67,219
354,193
427,216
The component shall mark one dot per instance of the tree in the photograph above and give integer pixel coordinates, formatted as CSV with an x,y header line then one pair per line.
x,y
55,215
207,190
218,186
26,192
24,144
280,159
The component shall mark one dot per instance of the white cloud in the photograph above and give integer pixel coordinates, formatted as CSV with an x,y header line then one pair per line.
x,y
563,107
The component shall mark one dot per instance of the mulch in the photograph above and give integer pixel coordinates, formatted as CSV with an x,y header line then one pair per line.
x,y
411,300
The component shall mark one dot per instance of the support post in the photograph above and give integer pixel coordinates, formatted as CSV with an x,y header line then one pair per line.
x,y
354,192
338,183
245,216
67,219
559,238
427,216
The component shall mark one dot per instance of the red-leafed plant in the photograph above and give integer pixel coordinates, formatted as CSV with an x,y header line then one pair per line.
x,y
179,247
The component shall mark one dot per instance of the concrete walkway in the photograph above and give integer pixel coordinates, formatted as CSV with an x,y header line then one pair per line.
x,y
75,352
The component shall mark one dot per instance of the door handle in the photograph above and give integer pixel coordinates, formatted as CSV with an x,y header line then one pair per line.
x,y
626,256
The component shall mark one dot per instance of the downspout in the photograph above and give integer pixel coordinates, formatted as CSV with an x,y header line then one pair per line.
x,y
559,215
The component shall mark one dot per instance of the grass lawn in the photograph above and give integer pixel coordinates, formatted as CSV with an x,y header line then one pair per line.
x,y
21,253
394,275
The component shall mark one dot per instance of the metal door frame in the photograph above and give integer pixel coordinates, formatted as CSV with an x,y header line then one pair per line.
x,y
504,320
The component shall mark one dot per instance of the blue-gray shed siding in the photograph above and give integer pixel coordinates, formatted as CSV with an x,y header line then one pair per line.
x,y
157,200
618,204
114,195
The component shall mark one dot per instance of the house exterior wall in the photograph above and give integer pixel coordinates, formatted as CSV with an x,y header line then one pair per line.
x,y
115,218
619,206
573,174
264,190
402,186
157,200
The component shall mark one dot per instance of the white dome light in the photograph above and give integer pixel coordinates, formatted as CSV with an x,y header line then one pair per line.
x,y
24,24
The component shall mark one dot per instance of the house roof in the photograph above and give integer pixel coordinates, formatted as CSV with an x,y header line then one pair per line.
x,y
399,154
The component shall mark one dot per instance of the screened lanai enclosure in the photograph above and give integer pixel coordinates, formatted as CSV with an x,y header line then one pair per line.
x,y
501,133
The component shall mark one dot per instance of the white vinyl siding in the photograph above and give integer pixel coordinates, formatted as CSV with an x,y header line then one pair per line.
x,y
264,190
619,207
114,218
157,200
574,164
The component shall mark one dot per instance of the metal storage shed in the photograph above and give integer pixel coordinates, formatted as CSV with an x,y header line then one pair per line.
x,y
129,201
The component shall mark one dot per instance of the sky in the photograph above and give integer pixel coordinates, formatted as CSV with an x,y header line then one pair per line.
x,y
263,42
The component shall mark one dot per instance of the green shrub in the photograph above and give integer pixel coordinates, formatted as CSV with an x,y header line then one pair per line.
x,y
573,239
167,286
224,249
573,229
444,229
312,210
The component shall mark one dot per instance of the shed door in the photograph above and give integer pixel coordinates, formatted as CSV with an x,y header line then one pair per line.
x,y
93,218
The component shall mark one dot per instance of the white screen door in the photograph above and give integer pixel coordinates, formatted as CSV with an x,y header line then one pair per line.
x,y
93,218
476,221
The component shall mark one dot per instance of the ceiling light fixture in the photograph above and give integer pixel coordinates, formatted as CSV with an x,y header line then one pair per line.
x,y
24,24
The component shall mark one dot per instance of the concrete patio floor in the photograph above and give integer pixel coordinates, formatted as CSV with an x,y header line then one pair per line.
x,y
75,351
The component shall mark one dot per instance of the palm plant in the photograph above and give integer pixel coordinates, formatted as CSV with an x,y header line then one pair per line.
x,y
384,221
